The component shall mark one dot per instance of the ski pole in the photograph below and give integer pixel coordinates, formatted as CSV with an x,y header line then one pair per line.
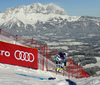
x,y
47,71
44,73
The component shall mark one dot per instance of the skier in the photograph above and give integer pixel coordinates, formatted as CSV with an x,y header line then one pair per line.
x,y
60,60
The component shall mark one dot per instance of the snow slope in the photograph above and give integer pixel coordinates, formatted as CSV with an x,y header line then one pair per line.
x,y
8,77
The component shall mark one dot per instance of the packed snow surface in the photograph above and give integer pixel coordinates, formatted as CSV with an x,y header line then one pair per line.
x,y
8,77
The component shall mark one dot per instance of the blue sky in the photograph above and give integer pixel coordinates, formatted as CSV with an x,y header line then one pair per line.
x,y
72,7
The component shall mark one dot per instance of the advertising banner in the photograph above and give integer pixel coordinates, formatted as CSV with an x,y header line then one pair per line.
x,y
18,55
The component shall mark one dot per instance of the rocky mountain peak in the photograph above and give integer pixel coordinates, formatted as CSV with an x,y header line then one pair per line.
x,y
37,8
55,9
9,10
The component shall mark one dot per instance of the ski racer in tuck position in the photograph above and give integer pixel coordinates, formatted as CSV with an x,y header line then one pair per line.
x,y
60,60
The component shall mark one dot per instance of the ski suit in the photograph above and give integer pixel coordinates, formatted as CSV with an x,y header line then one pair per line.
x,y
60,59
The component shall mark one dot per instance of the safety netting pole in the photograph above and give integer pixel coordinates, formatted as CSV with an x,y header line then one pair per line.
x,y
72,68
43,55
0,31
68,67
31,42
46,57
41,66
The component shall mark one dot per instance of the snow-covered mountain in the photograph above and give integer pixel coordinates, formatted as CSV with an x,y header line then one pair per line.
x,y
32,13
47,22
37,8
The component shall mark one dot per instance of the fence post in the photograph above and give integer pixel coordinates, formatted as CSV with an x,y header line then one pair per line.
x,y
31,42
0,31
77,70
46,58
72,68
41,49
43,56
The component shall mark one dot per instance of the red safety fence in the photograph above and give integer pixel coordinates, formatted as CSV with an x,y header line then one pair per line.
x,y
45,61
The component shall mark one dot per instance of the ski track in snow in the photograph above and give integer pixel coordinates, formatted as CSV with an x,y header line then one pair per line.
x,y
8,77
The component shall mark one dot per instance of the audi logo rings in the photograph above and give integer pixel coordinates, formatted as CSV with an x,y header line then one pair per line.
x,y
24,56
